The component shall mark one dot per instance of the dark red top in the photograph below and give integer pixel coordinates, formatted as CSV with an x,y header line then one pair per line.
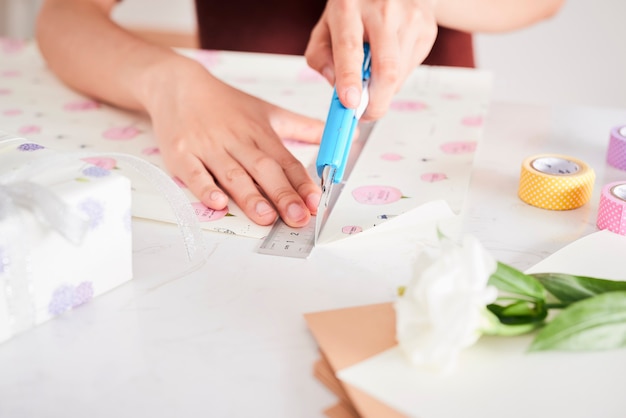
x,y
284,26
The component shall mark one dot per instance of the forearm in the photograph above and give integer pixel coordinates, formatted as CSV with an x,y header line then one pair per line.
x,y
96,57
493,15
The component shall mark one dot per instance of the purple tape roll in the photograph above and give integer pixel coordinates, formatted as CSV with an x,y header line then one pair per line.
x,y
616,154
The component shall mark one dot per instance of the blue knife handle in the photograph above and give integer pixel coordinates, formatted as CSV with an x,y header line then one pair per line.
x,y
335,145
339,130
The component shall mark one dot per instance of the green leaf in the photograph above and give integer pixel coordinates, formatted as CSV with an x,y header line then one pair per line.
x,y
595,323
511,280
493,326
568,288
519,312
520,308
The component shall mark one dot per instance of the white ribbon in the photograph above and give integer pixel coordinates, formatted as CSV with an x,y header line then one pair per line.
x,y
185,216
45,205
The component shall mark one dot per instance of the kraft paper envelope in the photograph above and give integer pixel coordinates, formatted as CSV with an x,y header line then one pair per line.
x,y
340,410
349,336
326,375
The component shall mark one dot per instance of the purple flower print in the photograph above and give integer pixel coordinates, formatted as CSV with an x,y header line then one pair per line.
x,y
66,297
30,147
61,300
95,171
94,211
82,294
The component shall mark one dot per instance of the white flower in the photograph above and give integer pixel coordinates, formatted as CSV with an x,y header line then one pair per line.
x,y
441,310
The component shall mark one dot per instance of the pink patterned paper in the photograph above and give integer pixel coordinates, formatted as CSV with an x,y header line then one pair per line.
x,y
422,149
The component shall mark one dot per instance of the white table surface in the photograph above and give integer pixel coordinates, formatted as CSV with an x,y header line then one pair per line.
x,y
229,339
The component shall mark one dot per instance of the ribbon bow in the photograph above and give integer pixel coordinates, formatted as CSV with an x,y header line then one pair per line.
x,y
45,205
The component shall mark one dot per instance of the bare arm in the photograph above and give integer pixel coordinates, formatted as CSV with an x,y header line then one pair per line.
x,y
95,56
494,15
218,140
401,34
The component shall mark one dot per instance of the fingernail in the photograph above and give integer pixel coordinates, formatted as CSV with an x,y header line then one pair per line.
x,y
218,198
329,75
295,212
353,97
313,201
216,195
263,208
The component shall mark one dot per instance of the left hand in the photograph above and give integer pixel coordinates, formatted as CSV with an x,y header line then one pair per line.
x,y
401,33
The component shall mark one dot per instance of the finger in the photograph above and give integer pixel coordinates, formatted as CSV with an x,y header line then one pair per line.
x,y
236,181
319,52
284,181
199,181
386,63
346,31
421,47
301,181
292,125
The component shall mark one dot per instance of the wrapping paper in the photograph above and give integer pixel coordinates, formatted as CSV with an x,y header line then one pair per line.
x,y
421,151
65,232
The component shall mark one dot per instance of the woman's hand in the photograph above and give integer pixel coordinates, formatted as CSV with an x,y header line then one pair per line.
x,y
401,33
221,141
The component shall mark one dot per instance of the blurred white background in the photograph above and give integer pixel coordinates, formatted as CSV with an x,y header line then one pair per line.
x,y
575,58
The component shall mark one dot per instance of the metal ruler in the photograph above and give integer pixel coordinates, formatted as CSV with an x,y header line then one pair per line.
x,y
286,241
289,242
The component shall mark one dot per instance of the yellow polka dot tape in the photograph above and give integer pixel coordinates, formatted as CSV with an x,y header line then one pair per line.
x,y
555,182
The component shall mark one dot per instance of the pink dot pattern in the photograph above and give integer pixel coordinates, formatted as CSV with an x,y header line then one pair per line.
x,y
611,211
616,153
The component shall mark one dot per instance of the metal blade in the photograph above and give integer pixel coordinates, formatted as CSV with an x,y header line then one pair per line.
x,y
284,240
328,176
330,190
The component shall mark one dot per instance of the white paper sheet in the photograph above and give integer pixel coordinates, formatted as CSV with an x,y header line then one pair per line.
x,y
600,255
497,377
392,247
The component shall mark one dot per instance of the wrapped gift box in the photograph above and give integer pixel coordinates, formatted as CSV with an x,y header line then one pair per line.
x,y
83,249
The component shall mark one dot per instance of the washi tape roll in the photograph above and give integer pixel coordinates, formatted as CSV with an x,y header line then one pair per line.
x,y
612,210
555,182
616,154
